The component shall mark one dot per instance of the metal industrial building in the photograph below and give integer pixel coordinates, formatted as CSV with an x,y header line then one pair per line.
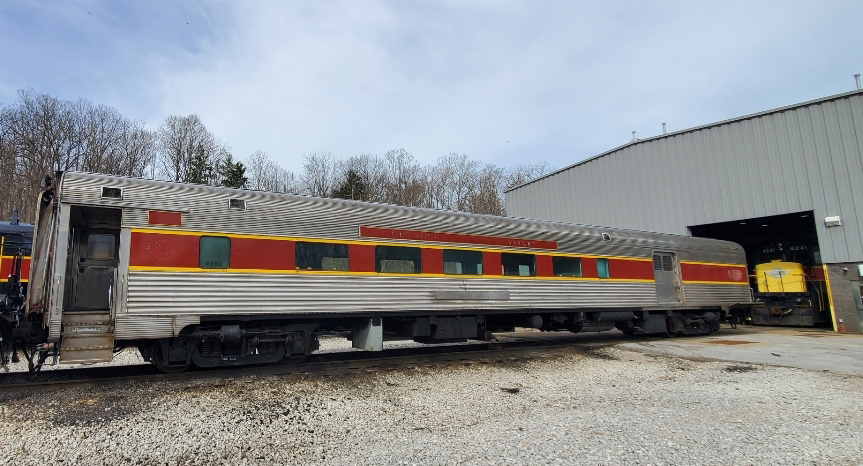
x,y
783,183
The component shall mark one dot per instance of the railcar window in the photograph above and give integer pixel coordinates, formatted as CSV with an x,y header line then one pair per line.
x,y
667,264
457,262
215,252
566,266
523,265
100,247
397,259
14,243
662,262
321,256
602,269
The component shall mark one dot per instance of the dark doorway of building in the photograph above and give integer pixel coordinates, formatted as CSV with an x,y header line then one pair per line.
x,y
784,262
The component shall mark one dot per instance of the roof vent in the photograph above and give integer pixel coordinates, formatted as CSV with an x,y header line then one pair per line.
x,y
606,237
112,193
238,204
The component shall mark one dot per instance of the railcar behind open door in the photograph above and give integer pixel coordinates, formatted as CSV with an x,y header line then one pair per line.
x,y
667,277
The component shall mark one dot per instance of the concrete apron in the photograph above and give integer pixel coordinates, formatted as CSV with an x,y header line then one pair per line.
x,y
813,349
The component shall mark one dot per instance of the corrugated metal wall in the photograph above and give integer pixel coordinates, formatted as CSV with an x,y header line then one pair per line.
x,y
793,159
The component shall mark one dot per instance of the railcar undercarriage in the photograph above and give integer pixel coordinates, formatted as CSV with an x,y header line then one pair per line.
x,y
240,342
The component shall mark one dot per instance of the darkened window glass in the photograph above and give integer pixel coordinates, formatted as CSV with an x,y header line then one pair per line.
x,y
14,244
395,259
462,262
522,265
215,252
100,247
657,262
602,268
566,266
667,264
321,256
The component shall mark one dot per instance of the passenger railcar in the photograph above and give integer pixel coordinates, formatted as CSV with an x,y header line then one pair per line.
x,y
16,238
208,276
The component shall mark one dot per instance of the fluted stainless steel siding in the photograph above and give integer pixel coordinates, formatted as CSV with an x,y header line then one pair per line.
x,y
203,293
132,327
799,158
705,295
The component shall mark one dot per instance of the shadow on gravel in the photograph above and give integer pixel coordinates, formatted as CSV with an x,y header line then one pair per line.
x,y
739,369
598,353
83,408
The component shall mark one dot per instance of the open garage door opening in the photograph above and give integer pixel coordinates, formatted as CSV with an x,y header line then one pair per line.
x,y
784,263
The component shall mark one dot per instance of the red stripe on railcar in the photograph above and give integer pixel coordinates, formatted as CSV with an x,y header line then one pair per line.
x,y
158,250
268,254
588,268
161,217
6,268
491,264
815,274
432,260
629,269
441,237
544,267
713,273
361,258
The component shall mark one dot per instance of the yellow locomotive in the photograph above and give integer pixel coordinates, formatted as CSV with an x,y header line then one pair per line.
x,y
788,294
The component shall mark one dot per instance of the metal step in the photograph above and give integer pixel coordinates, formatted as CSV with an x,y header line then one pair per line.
x,y
87,337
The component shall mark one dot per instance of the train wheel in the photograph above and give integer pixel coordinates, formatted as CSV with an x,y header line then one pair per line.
x,y
293,360
161,362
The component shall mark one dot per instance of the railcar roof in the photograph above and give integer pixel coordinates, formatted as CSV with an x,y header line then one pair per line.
x,y
552,226
21,228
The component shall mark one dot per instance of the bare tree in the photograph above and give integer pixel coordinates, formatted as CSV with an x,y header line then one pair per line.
x,y
264,174
319,169
405,179
521,174
40,135
187,151
454,181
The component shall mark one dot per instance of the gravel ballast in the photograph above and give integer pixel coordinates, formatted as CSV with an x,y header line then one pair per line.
x,y
596,406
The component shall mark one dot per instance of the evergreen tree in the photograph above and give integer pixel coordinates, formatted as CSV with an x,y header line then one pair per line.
x,y
352,188
200,170
233,173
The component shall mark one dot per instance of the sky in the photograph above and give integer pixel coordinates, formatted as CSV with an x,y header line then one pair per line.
x,y
504,82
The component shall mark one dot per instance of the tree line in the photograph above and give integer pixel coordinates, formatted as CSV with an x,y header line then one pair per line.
x,y
41,134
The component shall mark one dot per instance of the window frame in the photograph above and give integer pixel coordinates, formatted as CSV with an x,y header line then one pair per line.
x,y
381,249
503,261
201,252
556,259
479,264
607,268
297,255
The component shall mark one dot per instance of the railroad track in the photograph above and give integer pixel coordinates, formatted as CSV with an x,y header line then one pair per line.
x,y
316,363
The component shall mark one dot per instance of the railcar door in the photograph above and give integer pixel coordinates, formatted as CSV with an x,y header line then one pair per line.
x,y
667,278
94,255
91,267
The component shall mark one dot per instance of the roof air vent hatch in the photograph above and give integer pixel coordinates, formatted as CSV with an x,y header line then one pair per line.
x,y
112,193
238,204
606,237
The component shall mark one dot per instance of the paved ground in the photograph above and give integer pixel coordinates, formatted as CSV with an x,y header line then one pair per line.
x,y
812,349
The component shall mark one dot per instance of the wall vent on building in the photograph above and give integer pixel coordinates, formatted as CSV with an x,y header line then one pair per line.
x,y
112,193
238,204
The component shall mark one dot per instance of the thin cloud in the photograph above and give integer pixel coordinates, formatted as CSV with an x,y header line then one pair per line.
x,y
503,82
